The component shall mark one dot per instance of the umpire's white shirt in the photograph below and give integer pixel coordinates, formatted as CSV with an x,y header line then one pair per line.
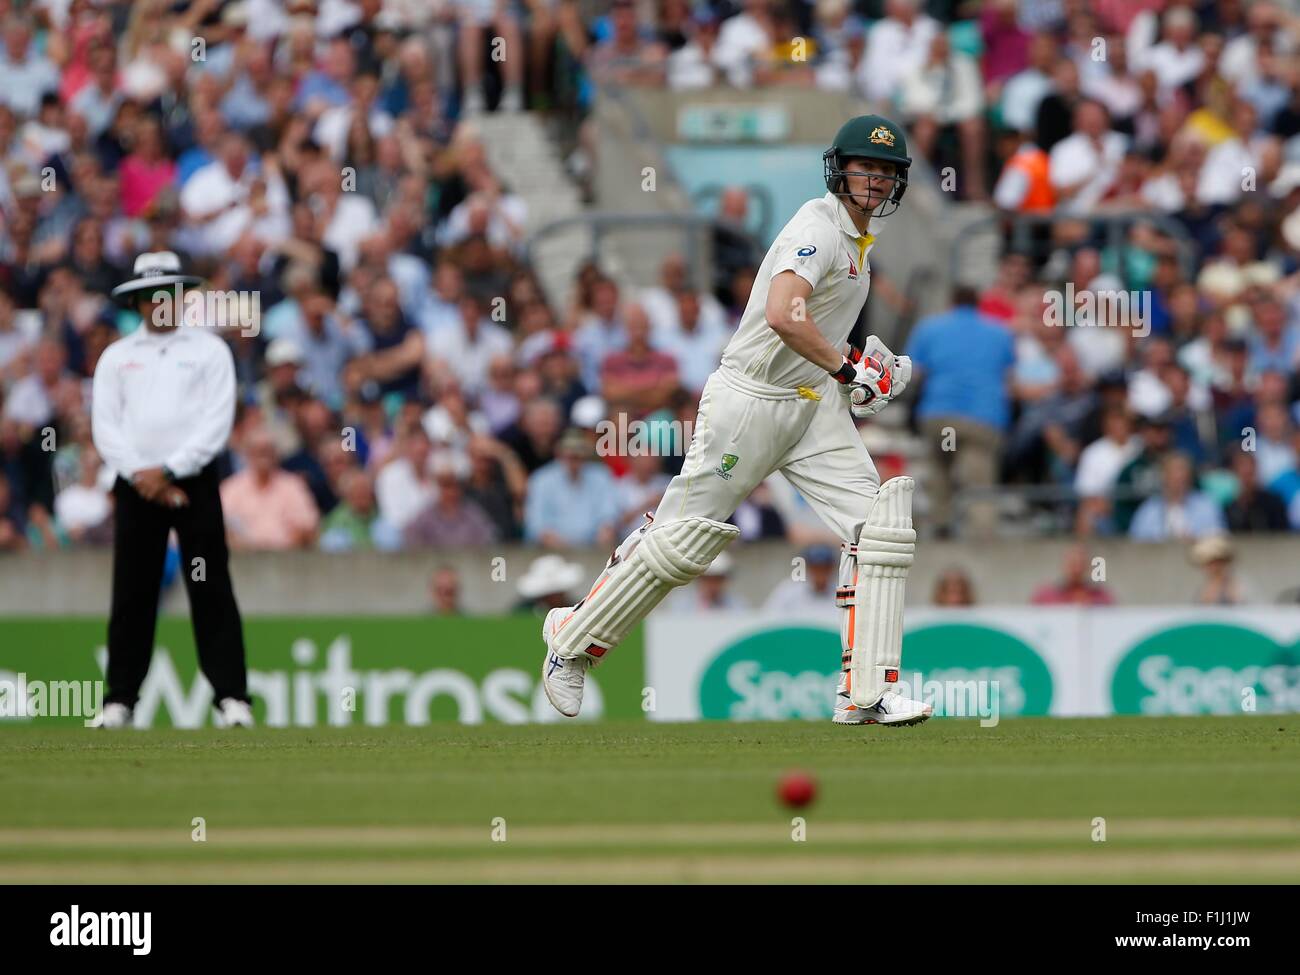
x,y
163,399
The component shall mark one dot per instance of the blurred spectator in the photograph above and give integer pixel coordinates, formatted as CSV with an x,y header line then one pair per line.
x,y
640,490
266,507
1179,511
572,501
662,301
1056,110
695,345
941,99
1025,184
147,170
15,342
962,360
549,583
1221,176
278,394
744,43
83,509
490,211
33,398
1275,343
1178,59
398,347
353,525
1024,90
693,65
711,592
1254,508
638,378
13,536
230,196
442,306
534,436
840,37
1049,435
734,249
1077,585
629,55
953,587
444,592
813,589
757,516
1100,464
1139,478
405,485
497,483
1219,585
25,74
1275,453
1085,166
452,520
314,424
324,342
896,45
462,351
600,333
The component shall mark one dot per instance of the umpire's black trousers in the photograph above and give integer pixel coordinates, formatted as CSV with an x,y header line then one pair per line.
x,y
140,530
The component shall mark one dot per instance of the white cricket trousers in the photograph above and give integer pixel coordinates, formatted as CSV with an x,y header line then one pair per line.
x,y
813,442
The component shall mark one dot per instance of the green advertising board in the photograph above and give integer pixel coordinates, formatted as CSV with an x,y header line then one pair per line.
x,y
313,671
1208,668
789,672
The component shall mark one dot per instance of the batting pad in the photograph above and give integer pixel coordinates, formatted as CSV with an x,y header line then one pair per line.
x,y
651,562
873,574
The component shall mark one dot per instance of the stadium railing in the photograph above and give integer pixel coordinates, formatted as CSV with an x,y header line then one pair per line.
x,y
1115,226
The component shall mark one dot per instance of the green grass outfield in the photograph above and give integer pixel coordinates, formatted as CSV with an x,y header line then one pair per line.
x,y
1184,800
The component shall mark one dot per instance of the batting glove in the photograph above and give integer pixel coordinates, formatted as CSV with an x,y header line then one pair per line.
x,y
872,377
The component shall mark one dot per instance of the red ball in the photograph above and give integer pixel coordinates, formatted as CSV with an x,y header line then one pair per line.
x,y
796,789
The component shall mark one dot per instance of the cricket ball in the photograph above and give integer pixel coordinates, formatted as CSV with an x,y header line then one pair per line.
x,y
796,789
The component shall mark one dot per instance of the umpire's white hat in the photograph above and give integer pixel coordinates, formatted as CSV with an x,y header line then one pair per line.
x,y
155,269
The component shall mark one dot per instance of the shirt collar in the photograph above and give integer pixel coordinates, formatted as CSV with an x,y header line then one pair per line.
x,y
845,219
150,337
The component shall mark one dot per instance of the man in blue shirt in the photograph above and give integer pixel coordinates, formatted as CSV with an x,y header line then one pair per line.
x,y
573,500
1179,512
963,358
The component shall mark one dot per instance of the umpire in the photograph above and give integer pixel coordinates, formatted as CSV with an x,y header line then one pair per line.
x,y
163,406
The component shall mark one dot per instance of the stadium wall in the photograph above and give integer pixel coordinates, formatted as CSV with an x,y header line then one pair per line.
x,y
278,584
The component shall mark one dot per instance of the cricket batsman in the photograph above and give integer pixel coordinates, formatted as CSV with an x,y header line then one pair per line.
x,y
783,399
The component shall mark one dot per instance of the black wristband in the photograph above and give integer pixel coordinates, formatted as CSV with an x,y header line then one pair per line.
x,y
845,373
169,475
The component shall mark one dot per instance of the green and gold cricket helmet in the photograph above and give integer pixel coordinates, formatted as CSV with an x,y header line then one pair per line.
x,y
868,137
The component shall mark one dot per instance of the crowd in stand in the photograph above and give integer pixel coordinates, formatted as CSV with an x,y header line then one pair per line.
x,y
410,384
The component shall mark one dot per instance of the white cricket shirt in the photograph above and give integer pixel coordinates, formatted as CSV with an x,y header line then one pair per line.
x,y
822,246
163,399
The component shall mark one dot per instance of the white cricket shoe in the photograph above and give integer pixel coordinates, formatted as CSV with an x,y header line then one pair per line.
x,y
112,715
892,709
234,713
562,677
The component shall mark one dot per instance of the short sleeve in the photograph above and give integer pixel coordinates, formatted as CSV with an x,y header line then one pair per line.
x,y
808,249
